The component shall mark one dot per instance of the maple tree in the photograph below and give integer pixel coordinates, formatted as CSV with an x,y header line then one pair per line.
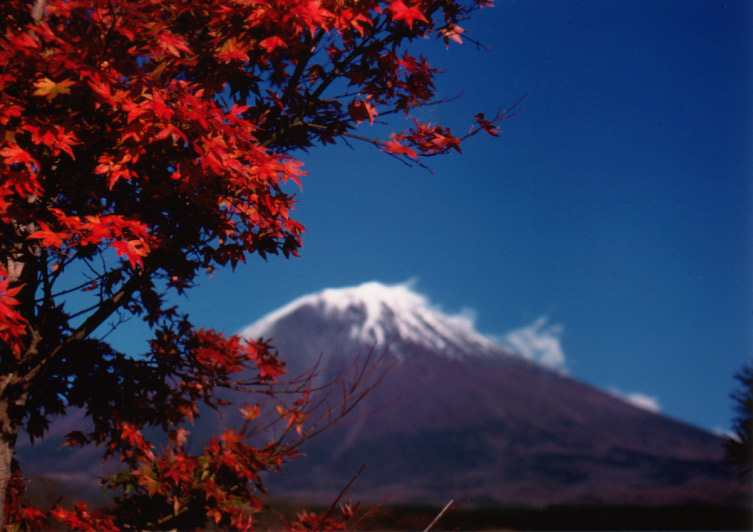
x,y
142,144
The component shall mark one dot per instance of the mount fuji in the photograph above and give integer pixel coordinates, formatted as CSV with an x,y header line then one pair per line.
x,y
377,316
457,415
467,417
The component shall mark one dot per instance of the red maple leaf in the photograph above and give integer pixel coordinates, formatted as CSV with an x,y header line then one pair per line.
x,y
173,44
49,238
361,110
271,43
132,249
409,14
14,154
486,125
393,146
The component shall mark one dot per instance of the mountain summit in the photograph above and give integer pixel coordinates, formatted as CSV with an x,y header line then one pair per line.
x,y
466,416
377,315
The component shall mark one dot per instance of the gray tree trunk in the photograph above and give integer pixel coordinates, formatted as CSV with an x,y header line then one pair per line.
x,y
8,436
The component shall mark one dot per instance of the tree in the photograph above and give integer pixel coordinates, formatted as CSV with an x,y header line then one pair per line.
x,y
739,448
143,143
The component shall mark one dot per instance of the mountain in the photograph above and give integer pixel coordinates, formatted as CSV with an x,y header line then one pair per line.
x,y
457,415
465,416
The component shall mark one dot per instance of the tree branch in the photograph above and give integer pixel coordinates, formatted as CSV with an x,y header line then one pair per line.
x,y
37,10
104,311
439,515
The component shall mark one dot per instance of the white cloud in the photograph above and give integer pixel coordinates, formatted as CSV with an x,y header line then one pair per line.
x,y
538,342
725,433
640,400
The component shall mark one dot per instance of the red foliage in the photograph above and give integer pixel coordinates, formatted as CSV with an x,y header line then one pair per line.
x,y
409,14
12,324
80,518
143,143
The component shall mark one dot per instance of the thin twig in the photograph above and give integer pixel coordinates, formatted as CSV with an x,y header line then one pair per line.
x,y
439,515
342,493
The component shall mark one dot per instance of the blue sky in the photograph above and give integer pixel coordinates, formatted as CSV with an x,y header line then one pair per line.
x,y
617,205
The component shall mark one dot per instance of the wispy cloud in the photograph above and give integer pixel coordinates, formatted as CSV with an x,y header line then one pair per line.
x,y
725,433
539,342
640,400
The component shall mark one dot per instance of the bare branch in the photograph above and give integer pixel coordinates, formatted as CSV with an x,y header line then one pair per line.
x,y
323,519
439,515
37,10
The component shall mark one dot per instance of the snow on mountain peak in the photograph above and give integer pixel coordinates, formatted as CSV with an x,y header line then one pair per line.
x,y
380,313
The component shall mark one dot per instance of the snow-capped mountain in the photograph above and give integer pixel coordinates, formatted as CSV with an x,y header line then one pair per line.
x,y
378,315
469,417
458,415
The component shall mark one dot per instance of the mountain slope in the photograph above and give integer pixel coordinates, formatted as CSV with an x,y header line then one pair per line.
x,y
456,416
467,417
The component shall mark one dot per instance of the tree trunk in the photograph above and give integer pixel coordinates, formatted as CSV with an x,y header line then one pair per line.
x,y
9,422
8,436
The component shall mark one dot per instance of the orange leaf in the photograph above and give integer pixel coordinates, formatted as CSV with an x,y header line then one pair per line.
x,y
250,412
49,89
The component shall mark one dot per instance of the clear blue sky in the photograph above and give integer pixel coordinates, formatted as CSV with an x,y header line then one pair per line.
x,y
618,204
